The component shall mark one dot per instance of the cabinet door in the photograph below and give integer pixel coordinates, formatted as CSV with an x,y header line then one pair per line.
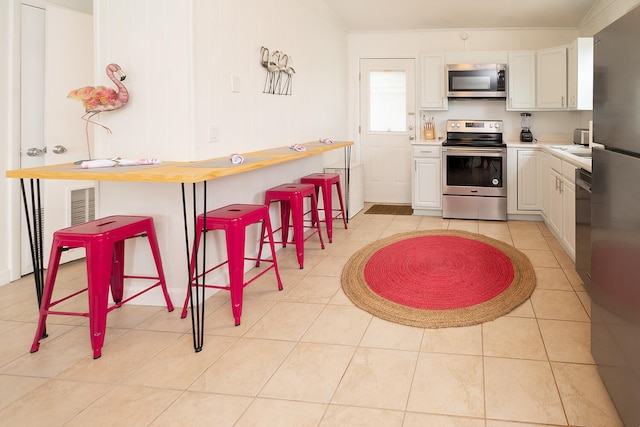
x,y
528,193
543,183
555,203
551,78
427,190
432,88
569,217
521,76
580,74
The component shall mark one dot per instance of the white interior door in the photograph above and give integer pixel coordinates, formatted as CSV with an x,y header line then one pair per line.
x,y
387,128
56,57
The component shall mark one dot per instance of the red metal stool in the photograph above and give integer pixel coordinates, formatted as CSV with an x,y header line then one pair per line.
x,y
324,181
103,240
291,198
233,219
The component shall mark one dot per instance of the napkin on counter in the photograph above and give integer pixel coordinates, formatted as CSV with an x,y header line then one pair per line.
x,y
236,159
117,161
326,140
298,147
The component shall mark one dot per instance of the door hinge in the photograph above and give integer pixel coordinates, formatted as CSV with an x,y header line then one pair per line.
x,y
359,130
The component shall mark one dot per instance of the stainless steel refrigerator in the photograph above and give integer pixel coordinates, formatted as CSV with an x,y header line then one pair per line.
x,y
615,214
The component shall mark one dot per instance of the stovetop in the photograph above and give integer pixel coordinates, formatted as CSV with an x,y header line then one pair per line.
x,y
474,133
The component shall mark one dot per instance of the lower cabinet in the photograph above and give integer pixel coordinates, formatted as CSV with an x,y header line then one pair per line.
x,y
427,178
524,193
541,183
561,216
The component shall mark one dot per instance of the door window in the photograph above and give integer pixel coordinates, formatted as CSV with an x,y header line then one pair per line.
x,y
387,101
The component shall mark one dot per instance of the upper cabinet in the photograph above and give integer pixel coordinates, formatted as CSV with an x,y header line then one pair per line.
x,y
433,84
551,78
521,75
580,74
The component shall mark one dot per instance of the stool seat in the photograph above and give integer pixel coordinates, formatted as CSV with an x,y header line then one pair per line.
x,y
291,198
324,182
104,243
233,219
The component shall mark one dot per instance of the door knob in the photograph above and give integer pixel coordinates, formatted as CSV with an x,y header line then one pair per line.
x,y
35,152
59,149
411,137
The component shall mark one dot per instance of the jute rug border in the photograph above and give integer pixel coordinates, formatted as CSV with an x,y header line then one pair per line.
x,y
356,288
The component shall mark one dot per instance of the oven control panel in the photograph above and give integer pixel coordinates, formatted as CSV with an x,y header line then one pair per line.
x,y
475,126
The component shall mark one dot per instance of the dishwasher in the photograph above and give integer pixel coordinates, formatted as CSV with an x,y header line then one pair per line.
x,y
583,226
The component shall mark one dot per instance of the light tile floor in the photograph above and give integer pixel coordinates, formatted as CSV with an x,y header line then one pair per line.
x,y
307,356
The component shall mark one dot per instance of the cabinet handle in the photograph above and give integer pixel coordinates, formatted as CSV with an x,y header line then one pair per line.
x,y
562,101
561,186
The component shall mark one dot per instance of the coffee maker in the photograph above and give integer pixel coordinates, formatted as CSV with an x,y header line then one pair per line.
x,y
525,123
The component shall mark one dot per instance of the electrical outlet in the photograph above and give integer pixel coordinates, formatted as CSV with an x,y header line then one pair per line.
x,y
213,133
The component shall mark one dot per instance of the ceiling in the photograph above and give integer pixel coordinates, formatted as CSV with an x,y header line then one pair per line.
x,y
386,15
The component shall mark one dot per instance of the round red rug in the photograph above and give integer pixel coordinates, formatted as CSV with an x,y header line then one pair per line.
x,y
438,278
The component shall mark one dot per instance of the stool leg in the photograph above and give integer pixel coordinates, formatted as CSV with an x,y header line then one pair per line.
x,y
155,250
297,212
267,224
235,238
117,271
344,217
192,267
98,270
263,229
314,211
327,203
285,210
52,272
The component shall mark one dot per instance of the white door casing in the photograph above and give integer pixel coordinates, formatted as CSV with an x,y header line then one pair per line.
x,y
387,128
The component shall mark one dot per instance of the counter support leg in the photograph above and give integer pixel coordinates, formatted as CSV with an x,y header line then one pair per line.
x,y
197,292
33,216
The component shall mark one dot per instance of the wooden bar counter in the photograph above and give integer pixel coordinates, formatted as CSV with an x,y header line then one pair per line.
x,y
165,172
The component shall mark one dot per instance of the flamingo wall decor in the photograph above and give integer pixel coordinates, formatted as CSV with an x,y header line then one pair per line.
x,y
277,65
97,99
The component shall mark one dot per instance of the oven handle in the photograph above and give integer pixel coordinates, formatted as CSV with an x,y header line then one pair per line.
x,y
475,151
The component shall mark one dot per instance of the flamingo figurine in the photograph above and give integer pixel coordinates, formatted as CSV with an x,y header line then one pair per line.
x,y
100,98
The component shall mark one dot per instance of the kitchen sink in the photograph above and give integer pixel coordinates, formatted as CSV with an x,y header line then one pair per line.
x,y
573,150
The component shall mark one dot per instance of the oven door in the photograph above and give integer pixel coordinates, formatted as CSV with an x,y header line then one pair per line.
x,y
474,171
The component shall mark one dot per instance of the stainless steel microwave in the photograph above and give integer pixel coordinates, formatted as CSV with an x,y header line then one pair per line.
x,y
476,81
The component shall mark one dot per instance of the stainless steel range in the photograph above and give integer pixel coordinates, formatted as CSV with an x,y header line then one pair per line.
x,y
474,170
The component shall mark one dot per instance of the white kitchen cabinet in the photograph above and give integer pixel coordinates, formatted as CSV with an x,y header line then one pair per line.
x,y
528,191
523,191
543,183
432,82
551,78
521,75
554,216
561,215
427,177
580,74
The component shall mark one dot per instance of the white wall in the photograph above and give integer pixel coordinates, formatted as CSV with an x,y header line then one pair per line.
x,y
179,57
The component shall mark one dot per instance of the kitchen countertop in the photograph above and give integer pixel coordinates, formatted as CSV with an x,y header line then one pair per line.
x,y
572,153
566,151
